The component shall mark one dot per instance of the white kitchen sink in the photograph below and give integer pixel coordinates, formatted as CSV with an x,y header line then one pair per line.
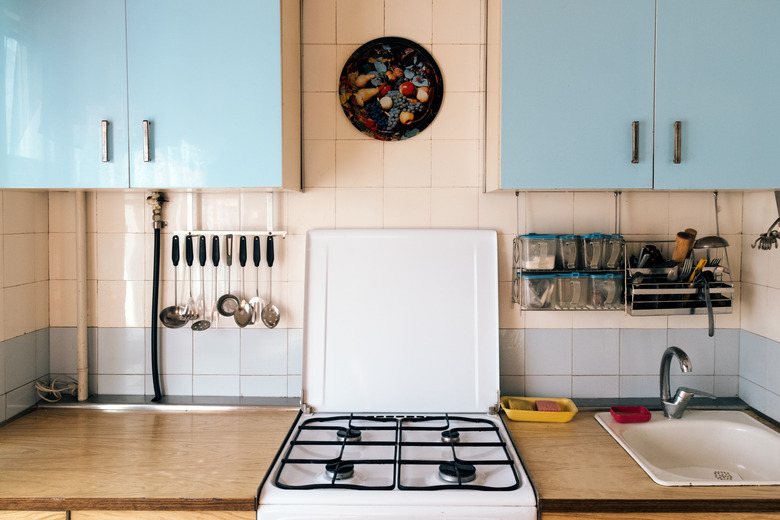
x,y
704,448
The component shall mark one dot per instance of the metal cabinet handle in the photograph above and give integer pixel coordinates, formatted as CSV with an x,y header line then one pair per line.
x,y
635,142
104,134
146,141
677,141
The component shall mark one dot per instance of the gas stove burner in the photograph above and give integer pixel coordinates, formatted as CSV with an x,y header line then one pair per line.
x,y
341,470
449,472
450,436
350,434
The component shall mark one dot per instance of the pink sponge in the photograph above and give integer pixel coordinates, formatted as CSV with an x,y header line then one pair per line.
x,y
547,406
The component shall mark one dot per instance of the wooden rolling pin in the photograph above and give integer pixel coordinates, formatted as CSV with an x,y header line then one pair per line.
x,y
683,245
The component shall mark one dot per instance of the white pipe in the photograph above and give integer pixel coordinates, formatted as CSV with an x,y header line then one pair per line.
x,y
81,295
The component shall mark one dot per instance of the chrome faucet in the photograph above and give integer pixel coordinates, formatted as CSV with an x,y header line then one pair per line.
x,y
674,407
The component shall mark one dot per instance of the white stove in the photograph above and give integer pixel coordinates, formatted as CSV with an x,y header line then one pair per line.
x,y
399,408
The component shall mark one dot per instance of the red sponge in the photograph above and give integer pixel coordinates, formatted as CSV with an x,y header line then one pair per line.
x,y
547,406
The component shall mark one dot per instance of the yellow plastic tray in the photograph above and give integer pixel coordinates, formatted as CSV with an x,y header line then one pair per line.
x,y
568,410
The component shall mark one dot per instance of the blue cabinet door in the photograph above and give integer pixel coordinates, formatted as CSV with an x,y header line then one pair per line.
x,y
575,75
718,73
207,77
63,73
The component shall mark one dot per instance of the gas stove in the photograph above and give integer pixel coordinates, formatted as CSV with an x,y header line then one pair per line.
x,y
399,408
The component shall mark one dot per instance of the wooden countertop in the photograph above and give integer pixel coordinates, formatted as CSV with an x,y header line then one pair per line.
x,y
578,467
58,459
66,459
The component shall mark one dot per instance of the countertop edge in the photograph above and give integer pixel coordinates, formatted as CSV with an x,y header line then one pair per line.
x,y
542,443
126,504
557,505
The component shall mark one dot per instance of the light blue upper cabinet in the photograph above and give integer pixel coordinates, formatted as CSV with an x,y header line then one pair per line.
x,y
208,78
574,77
217,82
718,73
574,74
64,73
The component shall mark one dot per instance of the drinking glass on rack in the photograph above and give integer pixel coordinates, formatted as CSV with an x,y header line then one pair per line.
x,y
538,251
573,290
593,251
613,251
569,246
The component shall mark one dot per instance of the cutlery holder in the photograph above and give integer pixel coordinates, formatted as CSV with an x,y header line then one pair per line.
x,y
666,288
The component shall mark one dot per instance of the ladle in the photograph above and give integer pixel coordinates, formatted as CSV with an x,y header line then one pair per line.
x,y
710,242
203,323
227,303
243,314
270,314
256,302
173,316
713,242
215,261
704,281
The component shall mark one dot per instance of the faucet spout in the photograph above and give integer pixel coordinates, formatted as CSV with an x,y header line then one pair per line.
x,y
675,406
666,362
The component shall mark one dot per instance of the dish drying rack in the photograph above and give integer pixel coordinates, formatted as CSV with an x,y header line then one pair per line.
x,y
660,291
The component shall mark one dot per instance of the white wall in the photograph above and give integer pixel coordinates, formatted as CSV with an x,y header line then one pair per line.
x,y
759,372
24,298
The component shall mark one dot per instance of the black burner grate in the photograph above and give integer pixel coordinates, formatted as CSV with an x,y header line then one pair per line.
x,y
329,472
334,467
457,471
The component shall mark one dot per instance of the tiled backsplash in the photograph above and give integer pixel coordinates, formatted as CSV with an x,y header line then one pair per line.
x,y
432,180
24,305
589,363
607,354
760,303
215,362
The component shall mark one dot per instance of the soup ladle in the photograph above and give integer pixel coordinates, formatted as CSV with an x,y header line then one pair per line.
x,y
173,316
270,313
243,314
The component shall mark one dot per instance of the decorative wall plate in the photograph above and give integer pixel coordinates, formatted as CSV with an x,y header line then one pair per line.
x,y
390,88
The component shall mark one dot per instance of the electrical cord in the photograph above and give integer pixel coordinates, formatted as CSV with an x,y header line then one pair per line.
x,y
56,388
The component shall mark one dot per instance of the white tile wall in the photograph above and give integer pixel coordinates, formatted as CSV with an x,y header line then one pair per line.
x,y
24,297
588,363
596,351
759,358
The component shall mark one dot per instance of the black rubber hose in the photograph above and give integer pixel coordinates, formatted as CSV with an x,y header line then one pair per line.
x,y
155,297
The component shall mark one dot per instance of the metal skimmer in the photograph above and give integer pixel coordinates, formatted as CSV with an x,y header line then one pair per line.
x,y
768,240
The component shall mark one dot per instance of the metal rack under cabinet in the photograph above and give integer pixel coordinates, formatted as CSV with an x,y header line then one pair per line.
x,y
569,272
677,290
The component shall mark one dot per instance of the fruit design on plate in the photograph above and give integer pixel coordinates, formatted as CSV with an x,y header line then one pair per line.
x,y
390,89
